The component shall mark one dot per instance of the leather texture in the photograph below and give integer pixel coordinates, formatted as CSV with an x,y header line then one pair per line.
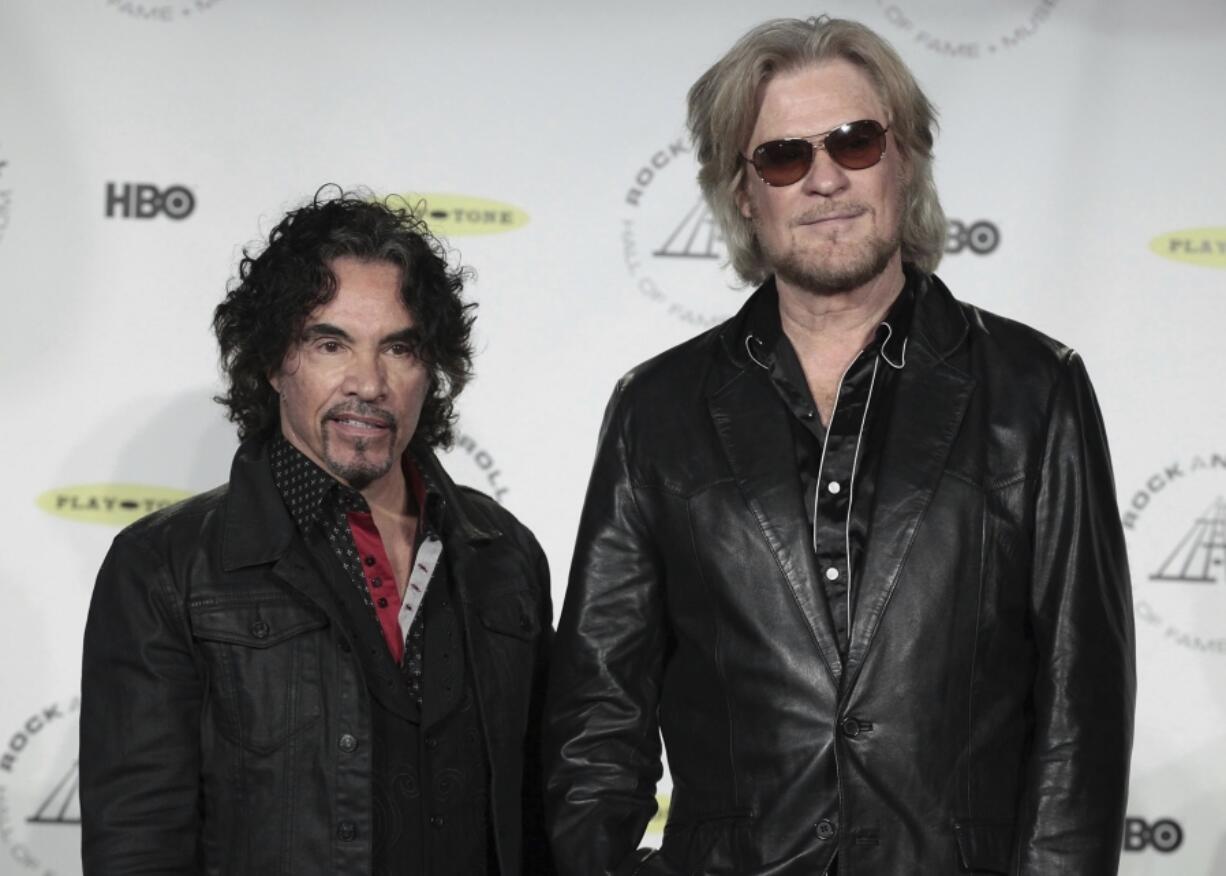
x,y
225,720
981,718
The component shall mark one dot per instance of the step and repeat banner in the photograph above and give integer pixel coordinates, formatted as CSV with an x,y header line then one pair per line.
x,y
143,144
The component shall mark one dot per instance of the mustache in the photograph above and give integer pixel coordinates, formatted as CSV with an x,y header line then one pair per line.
x,y
361,409
819,212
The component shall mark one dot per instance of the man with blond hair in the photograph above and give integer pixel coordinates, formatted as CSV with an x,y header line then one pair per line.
x,y
855,553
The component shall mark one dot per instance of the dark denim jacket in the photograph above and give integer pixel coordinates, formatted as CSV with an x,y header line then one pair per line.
x,y
219,690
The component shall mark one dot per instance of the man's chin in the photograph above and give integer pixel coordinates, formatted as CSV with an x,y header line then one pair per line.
x,y
359,473
825,281
831,276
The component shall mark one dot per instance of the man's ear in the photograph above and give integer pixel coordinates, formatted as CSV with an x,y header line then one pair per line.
x,y
743,202
287,365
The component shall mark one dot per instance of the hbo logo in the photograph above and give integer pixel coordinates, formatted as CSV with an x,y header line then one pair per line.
x,y
979,237
1164,835
145,201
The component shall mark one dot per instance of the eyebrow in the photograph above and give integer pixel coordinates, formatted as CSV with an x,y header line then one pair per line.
x,y
328,330
404,336
325,330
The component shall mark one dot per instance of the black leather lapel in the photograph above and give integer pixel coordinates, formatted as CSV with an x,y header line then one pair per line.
x,y
753,427
929,404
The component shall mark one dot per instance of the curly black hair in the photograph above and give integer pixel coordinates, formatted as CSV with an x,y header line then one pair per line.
x,y
276,289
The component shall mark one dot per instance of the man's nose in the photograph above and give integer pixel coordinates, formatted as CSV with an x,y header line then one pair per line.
x,y
825,176
366,377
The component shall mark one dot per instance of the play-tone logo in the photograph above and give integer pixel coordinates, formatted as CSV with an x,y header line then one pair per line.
x,y
461,215
112,504
1196,246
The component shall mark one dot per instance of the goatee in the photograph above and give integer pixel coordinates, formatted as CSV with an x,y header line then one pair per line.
x,y
845,266
829,279
360,470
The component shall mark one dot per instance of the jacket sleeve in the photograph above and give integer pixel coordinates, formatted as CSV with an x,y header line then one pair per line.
x,y
140,722
602,734
1076,785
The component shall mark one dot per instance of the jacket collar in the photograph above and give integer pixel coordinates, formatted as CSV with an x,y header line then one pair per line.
x,y
259,528
935,322
762,329
753,429
939,327
459,518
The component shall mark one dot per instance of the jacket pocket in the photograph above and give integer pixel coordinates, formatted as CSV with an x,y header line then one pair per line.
x,y
510,613
263,653
985,846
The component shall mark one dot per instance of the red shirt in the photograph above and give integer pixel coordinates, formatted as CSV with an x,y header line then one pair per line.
x,y
395,612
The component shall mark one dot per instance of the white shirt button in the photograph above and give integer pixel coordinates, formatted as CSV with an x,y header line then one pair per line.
x,y
834,487
832,574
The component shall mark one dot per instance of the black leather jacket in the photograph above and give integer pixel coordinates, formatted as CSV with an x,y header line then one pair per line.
x,y
217,682
982,718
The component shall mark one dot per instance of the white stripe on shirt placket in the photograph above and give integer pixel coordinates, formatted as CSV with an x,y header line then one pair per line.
x,y
854,464
424,565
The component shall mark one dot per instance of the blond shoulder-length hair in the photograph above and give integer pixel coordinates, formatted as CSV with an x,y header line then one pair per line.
x,y
723,108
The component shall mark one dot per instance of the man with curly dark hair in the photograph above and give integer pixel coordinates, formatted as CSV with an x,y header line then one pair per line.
x,y
333,663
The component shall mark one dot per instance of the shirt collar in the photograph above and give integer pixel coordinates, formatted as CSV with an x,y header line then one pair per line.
x,y
894,330
307,489
764,330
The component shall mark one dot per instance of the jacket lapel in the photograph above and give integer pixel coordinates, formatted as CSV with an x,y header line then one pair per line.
x,y
259,531
754,431
929,404
464,539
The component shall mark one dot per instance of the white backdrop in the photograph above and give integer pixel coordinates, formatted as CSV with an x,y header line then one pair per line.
x,y
1081,152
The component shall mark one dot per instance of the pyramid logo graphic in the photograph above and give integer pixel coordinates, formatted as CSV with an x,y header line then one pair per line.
x,y
1200,556
697,237
63,805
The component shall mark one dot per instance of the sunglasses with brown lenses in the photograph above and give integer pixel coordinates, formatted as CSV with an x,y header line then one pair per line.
x,y
853,146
